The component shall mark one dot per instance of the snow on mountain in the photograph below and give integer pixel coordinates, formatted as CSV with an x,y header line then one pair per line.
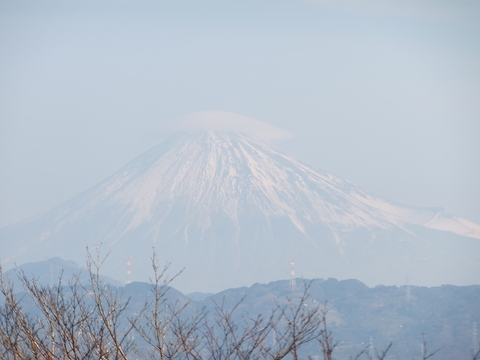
x,y
233,211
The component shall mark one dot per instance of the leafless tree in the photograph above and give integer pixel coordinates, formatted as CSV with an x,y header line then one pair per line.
x,y
109,308
77,321
171,335
168,334
297,323
70,322
375,354
224,338
425,353
13,341
327,342
94,321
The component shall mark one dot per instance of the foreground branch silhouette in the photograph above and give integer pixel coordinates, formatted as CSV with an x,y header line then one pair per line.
x,y
92,321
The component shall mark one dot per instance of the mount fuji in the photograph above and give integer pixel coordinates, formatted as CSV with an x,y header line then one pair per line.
x,y
231,211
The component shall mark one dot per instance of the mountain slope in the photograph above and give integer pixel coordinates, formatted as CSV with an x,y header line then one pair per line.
x,y
233,211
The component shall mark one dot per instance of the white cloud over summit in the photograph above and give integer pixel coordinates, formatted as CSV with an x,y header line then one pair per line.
x,y
223,121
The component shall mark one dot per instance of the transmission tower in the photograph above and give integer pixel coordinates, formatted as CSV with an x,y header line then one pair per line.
x,y
129,270
293,283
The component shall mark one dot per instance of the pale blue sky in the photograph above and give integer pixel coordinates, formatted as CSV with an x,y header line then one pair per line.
x,y
386,95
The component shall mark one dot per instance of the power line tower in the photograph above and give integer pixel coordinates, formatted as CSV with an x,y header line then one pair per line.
x,y
293,283
129,270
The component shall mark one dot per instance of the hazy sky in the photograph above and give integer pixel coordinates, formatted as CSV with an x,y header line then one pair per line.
x,y
386,94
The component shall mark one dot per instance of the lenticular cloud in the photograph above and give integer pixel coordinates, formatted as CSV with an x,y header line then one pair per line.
x,y
223,121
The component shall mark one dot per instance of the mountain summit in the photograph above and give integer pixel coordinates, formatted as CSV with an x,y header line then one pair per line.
x,y
232,211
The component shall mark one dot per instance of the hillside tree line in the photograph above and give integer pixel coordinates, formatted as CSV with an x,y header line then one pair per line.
x,y
93,321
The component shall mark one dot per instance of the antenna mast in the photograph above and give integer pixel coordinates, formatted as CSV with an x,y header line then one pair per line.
x,y
293,283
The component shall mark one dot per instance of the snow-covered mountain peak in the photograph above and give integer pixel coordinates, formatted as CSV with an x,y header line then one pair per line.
x,y
211,172
233,210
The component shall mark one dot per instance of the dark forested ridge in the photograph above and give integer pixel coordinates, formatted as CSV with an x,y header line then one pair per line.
x,y
358,315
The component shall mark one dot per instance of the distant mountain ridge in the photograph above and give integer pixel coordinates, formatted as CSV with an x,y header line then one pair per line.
x,y
233,211
50,271
357,314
